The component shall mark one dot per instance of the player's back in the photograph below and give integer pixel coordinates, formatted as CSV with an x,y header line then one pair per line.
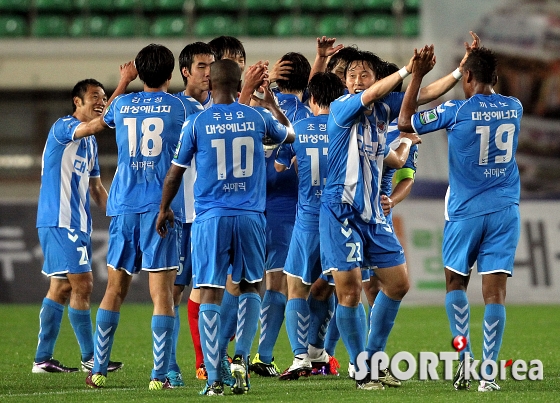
x,y
148,126
67,165
292,107
230,160
310,148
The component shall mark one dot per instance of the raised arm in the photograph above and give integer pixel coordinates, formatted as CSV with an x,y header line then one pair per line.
x,y
254,78
441,86
269,103
325,50
397,158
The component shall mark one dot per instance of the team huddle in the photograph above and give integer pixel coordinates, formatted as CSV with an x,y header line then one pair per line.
x,y
287,178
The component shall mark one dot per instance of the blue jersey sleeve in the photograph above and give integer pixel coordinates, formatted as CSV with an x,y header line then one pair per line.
x,y
346,109
109,116
438,118
187,144
274,129
285,155
65,128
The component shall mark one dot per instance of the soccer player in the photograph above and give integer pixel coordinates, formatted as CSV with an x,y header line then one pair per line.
x,y
354,233
281,201
303,264
229,204
148,124
482,201
69,175
229,47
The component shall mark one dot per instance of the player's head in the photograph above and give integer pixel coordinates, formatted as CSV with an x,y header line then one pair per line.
x,y
298,77
483,65
386,70
89,97
229,47
225,76
195,57
324,88
154,63
362,71
337,63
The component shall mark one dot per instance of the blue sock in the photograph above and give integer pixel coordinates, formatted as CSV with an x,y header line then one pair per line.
x,y
173,366
272,315
106,323
81,323
230,303
493,328
321,314
363,316
50,318
459,315
348,318
247,323
297,324
382,319
333,335
162,337
209,328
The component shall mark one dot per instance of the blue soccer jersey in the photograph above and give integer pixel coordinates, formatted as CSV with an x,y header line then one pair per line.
x,y
292,107
310,149
227,140
357,148
148,129
392,140
482,134
66,167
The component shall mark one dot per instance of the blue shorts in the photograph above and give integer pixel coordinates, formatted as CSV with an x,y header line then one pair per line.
x,y
304,257
135,245
219,242
184,274
489,240
279,228
65,251
348,242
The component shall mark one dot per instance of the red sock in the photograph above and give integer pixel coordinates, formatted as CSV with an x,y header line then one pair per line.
x,y
193,309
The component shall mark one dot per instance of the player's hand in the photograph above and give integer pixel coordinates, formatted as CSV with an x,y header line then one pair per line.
x,y
128,72
386,204
474,45
265,98
424,61
280,71
325,47
163,218
412,136
256,75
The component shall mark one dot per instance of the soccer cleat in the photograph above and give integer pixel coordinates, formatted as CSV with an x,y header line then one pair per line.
x,y
300,367
488,386
216,389
175,379
387,378
324,365
240,373
351,371
51,365
459,381
201,372
264,369
225,372
96,380
368,384
156,384
112,367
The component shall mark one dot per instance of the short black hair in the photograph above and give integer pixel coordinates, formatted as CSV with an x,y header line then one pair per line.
x,y
386,70
186,58
483,64
344,54
81,88
299,76
325,88
225,74
154,63
222,45
374,62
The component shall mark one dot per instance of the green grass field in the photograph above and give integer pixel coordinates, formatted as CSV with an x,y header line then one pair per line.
x,y
531,333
